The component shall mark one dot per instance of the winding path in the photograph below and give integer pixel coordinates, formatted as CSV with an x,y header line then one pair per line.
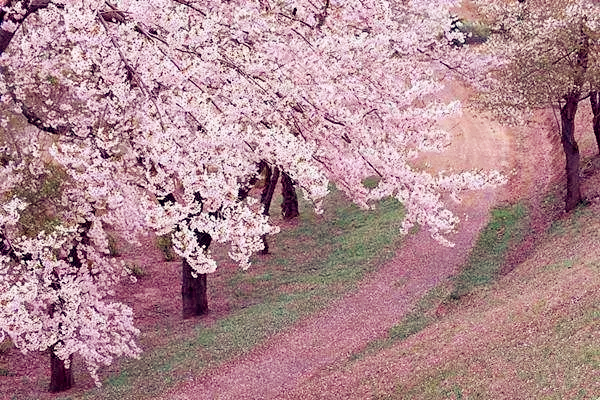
x,y
277,369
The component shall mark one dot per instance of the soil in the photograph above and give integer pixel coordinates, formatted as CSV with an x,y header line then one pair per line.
x,y
530,156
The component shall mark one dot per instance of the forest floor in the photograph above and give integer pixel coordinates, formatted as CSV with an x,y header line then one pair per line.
x,y
329,354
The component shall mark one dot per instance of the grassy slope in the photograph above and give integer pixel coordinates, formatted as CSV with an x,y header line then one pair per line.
x,y
508,225
311,264
532,334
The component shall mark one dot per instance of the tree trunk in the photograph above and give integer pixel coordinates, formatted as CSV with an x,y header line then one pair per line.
x,y
289,206
594,99
61,378
567,114
193,290
269,189
266,197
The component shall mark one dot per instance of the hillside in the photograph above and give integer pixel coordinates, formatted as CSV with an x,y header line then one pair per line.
x,y
532,334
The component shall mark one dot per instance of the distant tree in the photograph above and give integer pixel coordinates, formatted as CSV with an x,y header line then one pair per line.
x,y
545,55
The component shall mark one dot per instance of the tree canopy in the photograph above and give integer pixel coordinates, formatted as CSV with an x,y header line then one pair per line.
x,y
142,100
543,54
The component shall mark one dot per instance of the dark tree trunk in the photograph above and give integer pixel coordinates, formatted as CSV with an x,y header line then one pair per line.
x,y
595,100
567,114
61,378
567,119
193,290
272,176
289,206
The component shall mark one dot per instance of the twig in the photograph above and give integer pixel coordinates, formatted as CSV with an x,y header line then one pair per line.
x,y
187,3
328,118
305,39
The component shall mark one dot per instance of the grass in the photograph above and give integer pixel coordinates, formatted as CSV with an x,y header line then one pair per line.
x,y
541,326
507,227
136,270
559,364
165,245
311,264
113,245
573,225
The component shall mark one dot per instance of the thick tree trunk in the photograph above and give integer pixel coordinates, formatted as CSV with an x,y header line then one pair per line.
x,y
61,378
595,100
272,176
289,206
567,114
193,290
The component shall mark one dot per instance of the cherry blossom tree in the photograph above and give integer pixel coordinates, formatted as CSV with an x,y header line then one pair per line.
x,y
548,57
182,100
56,279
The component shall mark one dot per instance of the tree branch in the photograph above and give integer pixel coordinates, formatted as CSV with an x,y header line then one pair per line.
x,y
305,39
333,121
190,5
30,6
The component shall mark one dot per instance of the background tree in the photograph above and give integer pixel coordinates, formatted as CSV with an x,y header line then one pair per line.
x,y
548,57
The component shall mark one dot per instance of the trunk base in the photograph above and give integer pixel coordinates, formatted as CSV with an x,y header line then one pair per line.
x,y
193,290
193,293
61,378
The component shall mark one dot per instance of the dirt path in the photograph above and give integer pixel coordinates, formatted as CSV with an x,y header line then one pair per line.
x,y
277,369
346,326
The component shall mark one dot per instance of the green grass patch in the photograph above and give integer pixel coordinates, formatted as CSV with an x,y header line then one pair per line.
x,y
371,182
324,254
317,261
113,245
507,227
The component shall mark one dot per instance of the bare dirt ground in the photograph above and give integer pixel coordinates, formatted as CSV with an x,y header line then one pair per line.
x,y
295,364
